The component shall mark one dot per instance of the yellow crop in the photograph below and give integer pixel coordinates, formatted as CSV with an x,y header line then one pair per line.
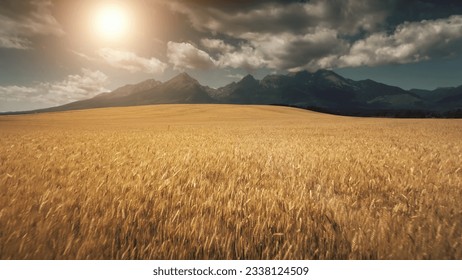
x,y
228,182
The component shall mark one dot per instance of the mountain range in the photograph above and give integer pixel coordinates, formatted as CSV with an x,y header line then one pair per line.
x,y
322,90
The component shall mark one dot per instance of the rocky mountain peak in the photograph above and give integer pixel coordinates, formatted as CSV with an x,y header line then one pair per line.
x,y
248,80
183,78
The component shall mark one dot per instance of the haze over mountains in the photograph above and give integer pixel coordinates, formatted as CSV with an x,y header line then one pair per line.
x,y
322,90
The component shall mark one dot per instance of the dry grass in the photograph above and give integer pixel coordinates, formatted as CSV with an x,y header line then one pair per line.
x,y
228,182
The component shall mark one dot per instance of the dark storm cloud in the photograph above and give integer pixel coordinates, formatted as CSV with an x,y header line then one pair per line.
x,y
347,16
233,5
283,34
21,21
16,9
416,10
293,35
410,10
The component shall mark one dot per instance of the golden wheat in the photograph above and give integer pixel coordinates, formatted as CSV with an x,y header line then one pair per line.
x,y
228,182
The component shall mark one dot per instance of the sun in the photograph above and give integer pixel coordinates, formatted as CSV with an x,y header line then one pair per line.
x,y
111,22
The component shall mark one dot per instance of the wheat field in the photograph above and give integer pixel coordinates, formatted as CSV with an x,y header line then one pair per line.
x,y
228,182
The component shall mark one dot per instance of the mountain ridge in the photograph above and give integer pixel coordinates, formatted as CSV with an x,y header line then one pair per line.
x,y
324,90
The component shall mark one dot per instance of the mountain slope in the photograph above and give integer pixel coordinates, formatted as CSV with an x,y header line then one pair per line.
x,y
445,98
182,89
324,90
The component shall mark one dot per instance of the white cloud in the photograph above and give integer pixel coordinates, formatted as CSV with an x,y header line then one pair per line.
x,y
85,85
289,51
217,45
411,42
246,56
16,32
16,93
75,87
324,48
186,56
285,51
295,35
131,62
83,56
284,36
12,42
236,77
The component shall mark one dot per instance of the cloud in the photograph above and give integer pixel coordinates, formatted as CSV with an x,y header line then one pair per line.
x,y
325,48
85,85
229,56
131,62
410,42
295,35
346,16
16,93
75,87
287,51
12,42
246,56
83,56
18,98
186,56
236,77
217,45
20,26
282,35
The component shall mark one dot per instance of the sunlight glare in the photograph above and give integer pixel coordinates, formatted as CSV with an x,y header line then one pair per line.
x,y
111,22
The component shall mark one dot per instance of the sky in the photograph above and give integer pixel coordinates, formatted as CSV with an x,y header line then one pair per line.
x,y
54,52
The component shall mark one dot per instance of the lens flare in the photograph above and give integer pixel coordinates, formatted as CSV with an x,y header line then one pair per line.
x,y
111,22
